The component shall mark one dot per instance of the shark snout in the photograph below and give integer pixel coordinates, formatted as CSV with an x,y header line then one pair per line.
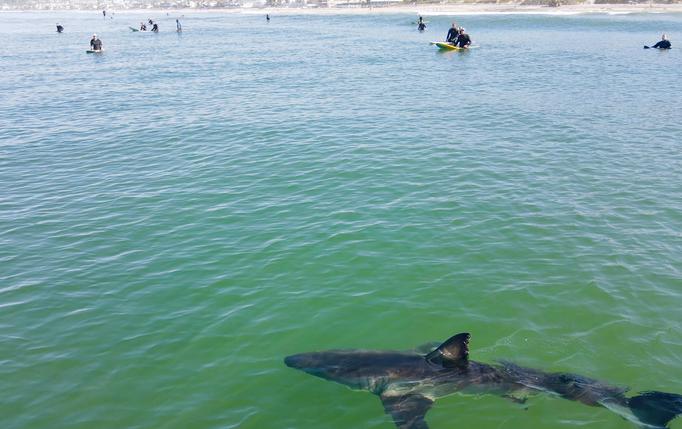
x,y
303,361
319,364
294,361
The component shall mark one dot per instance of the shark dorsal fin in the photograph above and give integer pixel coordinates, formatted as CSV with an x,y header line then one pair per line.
x,y
453,352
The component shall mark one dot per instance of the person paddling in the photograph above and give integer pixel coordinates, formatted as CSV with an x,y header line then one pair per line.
x,y
663,44
95,43
59,28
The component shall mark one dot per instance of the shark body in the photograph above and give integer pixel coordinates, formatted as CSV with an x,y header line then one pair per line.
x,y
408,383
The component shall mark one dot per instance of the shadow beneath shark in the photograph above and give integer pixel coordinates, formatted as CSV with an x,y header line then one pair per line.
x,y
408,383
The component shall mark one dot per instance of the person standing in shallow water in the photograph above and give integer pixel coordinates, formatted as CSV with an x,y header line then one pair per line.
x,y
59,28
267,17
178,26
95,43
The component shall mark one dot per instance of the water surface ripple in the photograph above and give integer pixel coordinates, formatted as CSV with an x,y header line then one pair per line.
x,y
183,211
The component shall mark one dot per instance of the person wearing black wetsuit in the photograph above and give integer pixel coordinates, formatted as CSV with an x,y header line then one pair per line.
x,y
452,34
267,17
421,26
663,44
143,27
95,43
155,28
150,21
59,28
463,39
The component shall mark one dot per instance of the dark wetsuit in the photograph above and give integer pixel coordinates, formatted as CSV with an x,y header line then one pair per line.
x,y
421,26
155,28
96,45
143,27
663,44
60,29
463,40
452,35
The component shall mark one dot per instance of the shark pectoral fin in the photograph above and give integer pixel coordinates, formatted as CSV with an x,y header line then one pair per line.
x,y
453,352
408,411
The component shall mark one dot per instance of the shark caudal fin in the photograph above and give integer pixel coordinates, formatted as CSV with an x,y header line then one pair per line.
x,y
656,409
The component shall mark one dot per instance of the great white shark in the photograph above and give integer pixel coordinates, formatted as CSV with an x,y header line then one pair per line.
x,y
408,383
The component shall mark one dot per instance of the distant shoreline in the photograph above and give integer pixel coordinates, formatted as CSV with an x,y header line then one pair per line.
x,y
427,10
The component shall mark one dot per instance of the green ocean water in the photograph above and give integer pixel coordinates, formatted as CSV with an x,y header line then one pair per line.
x,y
180,213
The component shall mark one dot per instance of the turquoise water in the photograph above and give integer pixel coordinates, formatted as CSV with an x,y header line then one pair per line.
x,y
183,211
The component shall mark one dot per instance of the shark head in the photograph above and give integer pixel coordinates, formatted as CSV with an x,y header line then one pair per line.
x,y
325,365
358,369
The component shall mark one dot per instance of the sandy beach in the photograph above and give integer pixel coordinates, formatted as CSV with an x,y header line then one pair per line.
x,y
460,9
424,9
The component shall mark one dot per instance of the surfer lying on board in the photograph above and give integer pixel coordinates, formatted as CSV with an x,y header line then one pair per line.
x,y
95,43
463,39
663,44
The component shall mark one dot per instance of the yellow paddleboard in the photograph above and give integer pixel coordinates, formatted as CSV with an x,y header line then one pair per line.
x,y
447,46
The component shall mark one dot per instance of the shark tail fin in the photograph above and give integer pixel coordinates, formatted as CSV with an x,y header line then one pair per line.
x,y
656,409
